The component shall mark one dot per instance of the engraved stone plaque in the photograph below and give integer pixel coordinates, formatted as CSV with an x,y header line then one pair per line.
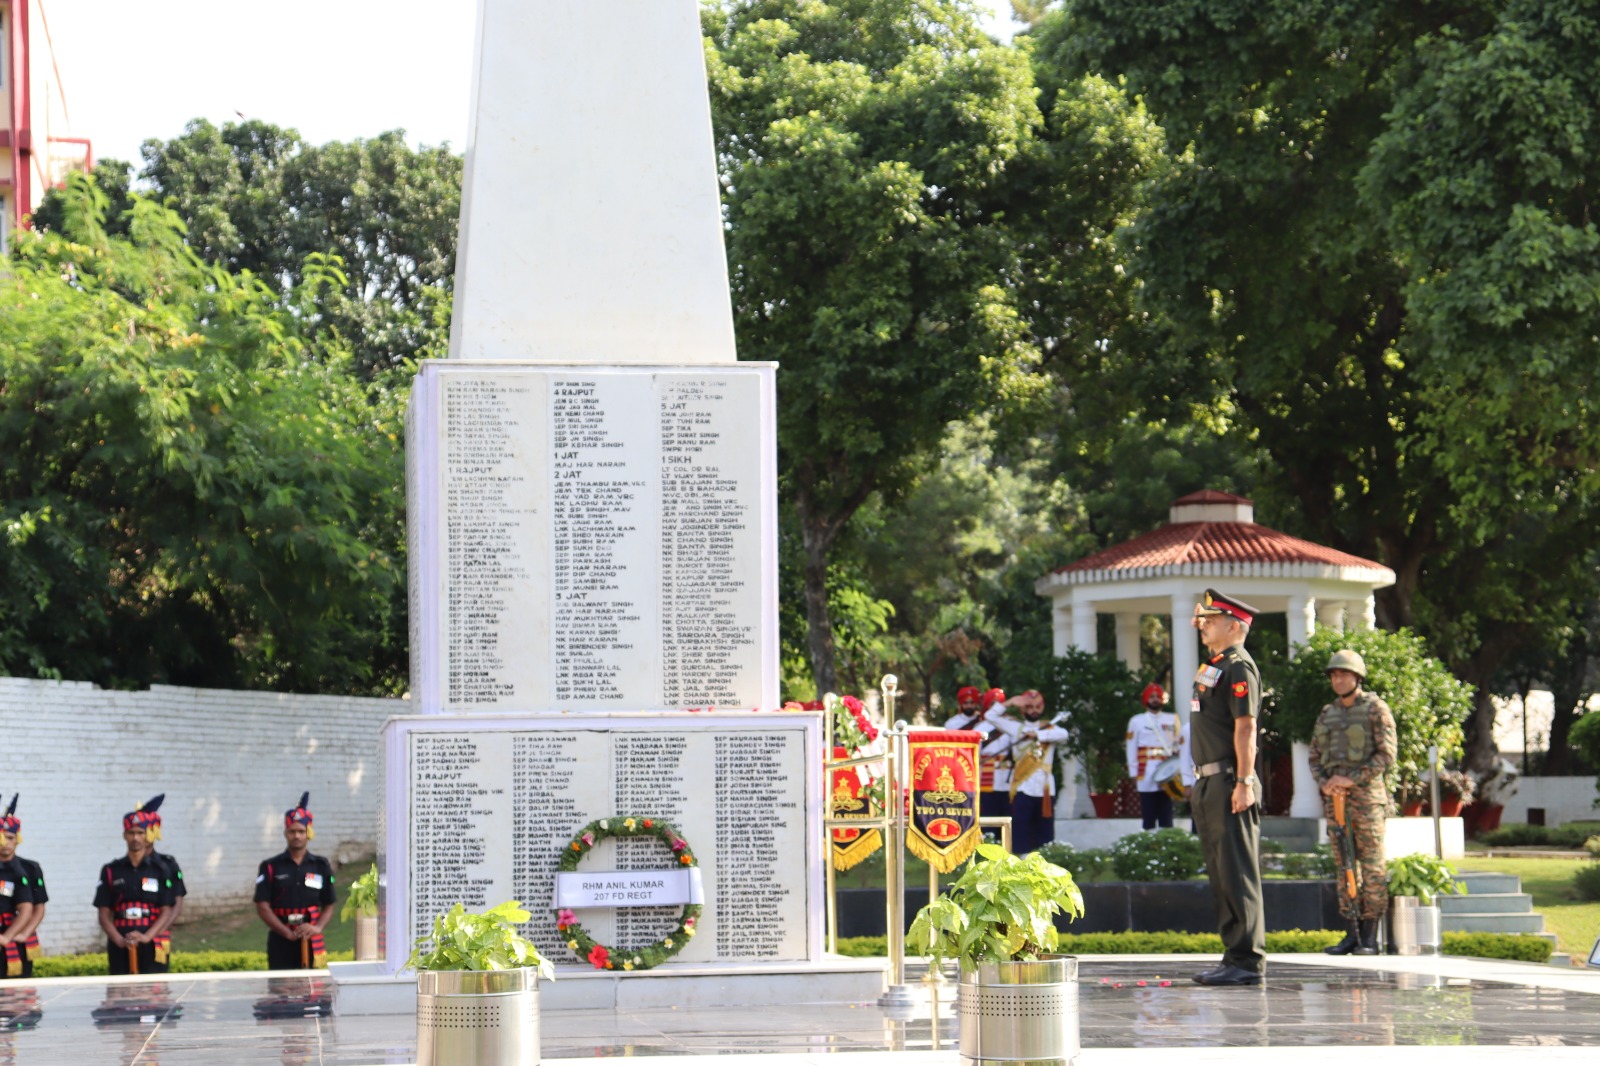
x,y
592,538
494,799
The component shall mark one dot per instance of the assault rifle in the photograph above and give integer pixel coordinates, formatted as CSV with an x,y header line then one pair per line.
x,y
1344,848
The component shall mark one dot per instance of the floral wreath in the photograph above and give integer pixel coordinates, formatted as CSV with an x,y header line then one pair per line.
x,y
599,955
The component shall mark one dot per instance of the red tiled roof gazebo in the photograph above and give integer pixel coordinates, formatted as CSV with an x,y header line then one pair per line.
x,y
1210,541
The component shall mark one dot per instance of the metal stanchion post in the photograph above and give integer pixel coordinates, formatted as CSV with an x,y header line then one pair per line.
x,y
1433,799
1002,823
899,993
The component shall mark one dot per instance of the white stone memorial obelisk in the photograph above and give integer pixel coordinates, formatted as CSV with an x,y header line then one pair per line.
x,y
591,496
591,229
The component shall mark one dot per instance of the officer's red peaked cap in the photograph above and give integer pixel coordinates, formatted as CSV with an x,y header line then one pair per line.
x,y
1216,603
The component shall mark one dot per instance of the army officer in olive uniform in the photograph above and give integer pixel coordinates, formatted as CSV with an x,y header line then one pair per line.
x,y
1222,737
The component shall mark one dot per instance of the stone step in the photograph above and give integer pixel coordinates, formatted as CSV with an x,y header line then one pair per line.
x,y
1490,882
1560,958
1487,903
1492,923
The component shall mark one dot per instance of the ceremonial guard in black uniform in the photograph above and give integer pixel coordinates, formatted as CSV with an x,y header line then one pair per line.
x,y
295,897
26,930
151,809
1222,731
134,899
16,898
175,873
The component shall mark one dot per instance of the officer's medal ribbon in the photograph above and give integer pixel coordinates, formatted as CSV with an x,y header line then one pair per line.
x,y
943,827
847,798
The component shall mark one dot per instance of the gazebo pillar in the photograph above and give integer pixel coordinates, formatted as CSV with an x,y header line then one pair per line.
x,y
1330,614
1369,614
1084,633
1061,630
1185,651
1128,639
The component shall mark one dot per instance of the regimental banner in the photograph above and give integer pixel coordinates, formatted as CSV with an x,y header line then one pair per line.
x,y
848,798
943,828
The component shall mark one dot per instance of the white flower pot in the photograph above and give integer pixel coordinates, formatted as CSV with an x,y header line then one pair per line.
x,y
367,938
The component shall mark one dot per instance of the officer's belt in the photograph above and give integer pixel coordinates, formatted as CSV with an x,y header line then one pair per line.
x,y
1211,768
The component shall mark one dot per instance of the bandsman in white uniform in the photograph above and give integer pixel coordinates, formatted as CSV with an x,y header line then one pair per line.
x,y
1033,782
1153,737
994,756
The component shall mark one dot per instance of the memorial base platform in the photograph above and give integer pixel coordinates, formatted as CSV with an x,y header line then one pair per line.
x,y
365,988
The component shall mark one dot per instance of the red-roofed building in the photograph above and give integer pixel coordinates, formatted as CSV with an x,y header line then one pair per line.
x,y
1210,541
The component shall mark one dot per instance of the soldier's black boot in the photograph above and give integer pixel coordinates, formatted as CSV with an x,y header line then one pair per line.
x,y
1351,941
1369,938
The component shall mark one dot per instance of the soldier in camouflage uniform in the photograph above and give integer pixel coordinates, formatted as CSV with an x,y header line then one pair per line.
x,y
1352,745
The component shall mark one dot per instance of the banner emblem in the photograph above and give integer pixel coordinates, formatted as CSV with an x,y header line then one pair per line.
x,y
943,828
848,798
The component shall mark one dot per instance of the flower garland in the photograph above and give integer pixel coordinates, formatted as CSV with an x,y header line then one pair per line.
x,y
585,946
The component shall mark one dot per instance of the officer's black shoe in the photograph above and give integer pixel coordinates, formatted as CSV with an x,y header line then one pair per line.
x,y
1229,975
1351,941
1203,974
1369,938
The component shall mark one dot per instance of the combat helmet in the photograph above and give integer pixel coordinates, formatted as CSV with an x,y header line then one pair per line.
x,y
1345,659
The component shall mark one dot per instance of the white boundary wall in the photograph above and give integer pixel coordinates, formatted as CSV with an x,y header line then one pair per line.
x,y
1564,799
230,764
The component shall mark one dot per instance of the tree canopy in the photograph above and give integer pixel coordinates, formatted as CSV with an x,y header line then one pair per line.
x,y
197,490
256,197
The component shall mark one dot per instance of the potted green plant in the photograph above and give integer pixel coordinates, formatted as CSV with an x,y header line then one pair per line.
x,y
1455,788
1415,882
1097,694
362,904
1017,999
478,990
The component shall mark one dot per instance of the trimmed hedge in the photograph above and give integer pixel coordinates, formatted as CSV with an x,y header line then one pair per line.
x,y
1522,836
1517,946
182,962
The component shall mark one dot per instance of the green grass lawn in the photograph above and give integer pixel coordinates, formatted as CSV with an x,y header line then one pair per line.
x,y
1549,881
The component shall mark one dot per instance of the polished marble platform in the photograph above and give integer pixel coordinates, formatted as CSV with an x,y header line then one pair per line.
x,y
1322,1008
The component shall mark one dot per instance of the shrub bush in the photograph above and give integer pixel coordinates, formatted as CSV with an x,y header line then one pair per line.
x,y
1164,855
1518,946
1519,836
1592,846
94,965
1315,865
1429,704
863,947
1587,882
1086,864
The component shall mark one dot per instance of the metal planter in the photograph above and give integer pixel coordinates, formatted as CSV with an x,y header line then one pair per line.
x,y
1019,1012
366,938
1415,927
477,1017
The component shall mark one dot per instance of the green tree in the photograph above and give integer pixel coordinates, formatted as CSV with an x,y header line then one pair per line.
x,y
1429,704
1291,264
863,146
256,197
197,490
1098,694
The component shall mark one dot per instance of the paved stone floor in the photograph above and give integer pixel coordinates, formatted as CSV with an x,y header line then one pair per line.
x,y
1321,1008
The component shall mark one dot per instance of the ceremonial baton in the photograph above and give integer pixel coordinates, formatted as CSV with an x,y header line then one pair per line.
x,y
133,958
305,953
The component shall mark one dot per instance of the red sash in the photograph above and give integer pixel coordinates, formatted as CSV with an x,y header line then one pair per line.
x,y
318,949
